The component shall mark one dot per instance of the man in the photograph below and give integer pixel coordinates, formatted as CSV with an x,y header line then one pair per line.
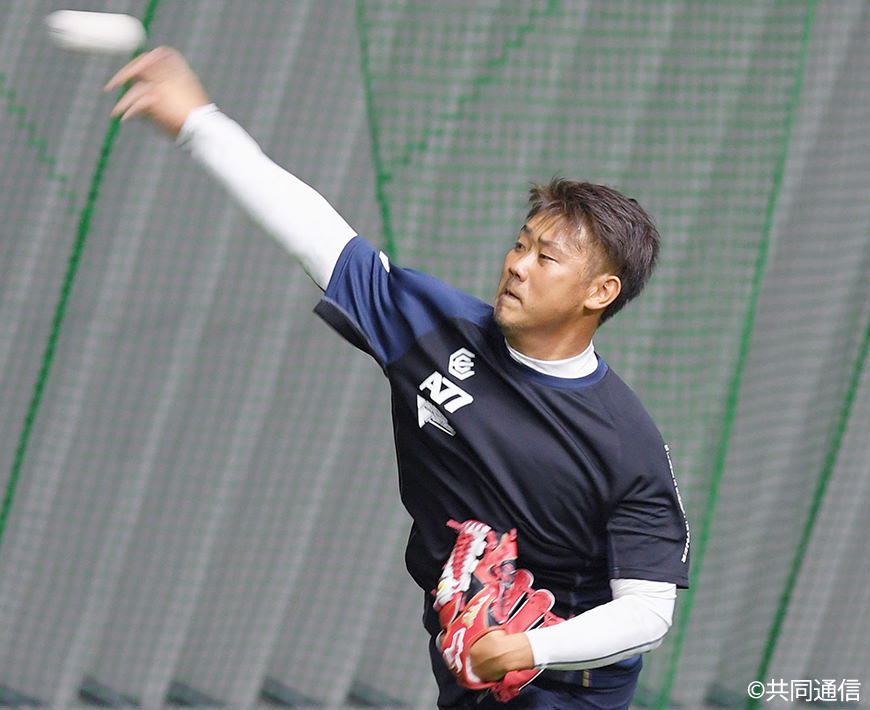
x,y
503,414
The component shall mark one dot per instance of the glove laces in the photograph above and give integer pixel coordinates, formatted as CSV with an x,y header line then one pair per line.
x,y
471,544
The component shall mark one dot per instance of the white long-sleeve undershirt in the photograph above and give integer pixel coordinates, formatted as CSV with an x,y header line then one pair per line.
x,y
289,210
311,230
634,622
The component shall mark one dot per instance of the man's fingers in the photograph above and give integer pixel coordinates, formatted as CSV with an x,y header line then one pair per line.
x,y
136,92
137,68
130,71
142,105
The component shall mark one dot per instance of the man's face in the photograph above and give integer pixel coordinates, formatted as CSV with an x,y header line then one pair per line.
x,y
545,282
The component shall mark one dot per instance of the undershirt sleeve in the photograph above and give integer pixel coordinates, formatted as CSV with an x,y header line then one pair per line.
x,y
289,210
634,622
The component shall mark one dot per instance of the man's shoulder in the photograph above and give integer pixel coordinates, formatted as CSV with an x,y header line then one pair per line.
x,y
383,309
628,413
421,290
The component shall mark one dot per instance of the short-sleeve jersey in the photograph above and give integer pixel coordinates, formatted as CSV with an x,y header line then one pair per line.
x,y
575,465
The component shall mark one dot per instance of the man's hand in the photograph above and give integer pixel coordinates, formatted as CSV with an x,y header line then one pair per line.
x,y
497,653
164,88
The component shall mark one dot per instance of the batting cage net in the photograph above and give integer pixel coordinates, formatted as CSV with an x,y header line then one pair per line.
x,y
200,503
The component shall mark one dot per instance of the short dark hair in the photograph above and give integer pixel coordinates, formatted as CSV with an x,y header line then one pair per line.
x,y
618,224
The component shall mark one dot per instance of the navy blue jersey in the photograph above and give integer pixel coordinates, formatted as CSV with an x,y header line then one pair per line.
x,y
575,465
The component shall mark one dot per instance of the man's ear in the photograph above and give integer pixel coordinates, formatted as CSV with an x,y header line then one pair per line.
x,y
602,291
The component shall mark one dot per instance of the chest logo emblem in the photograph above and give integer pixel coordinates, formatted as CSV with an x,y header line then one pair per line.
x,y
461,364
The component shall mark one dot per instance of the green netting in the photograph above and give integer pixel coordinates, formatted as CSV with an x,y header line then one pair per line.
x,y
196,474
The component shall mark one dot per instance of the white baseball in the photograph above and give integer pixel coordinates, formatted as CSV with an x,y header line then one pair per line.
x,y
95,32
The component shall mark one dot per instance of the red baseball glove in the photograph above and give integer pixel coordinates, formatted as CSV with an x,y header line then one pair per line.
x,y
481,591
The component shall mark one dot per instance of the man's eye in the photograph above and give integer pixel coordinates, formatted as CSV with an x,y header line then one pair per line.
x,y
545,257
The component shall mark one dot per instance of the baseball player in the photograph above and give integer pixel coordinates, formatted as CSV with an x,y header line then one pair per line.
x,y
548,533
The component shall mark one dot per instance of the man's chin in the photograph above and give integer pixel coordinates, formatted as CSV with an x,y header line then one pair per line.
x,y
504,310
504,321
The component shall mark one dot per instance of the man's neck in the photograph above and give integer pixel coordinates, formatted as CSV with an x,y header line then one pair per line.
x,y
549,346
580,365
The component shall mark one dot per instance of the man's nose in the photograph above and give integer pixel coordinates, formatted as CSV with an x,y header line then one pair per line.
x,y
519,266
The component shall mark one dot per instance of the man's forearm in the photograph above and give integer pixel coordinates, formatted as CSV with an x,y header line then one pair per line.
x,y
634,622
292,212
